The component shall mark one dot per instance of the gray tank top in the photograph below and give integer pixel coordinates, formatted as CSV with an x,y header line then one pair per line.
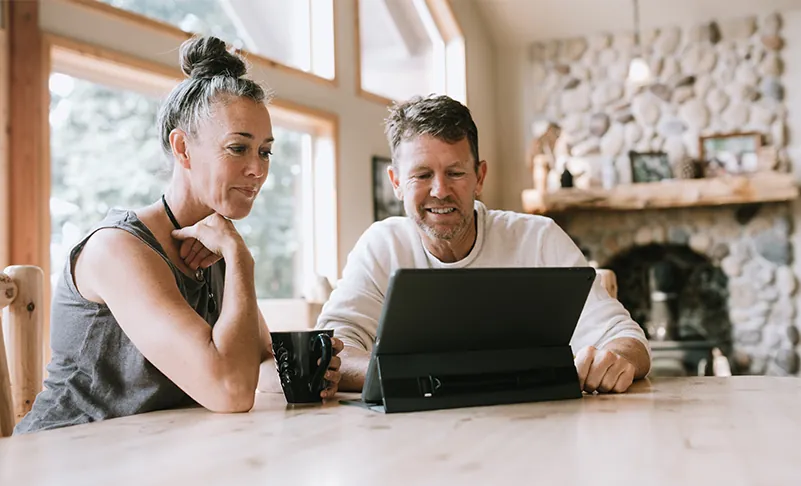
x,y
96,372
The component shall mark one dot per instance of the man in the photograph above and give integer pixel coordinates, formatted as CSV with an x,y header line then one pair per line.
x,y
437,173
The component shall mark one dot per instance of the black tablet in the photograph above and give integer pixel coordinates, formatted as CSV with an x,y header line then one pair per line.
x,y
474,309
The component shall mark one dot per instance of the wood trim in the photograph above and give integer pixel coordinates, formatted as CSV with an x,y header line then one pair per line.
x,y
6,12
445,19
29,165
132,17
337,33
104,66
450,29
4,7
44,226
337,199
323,123
5,169
295,115
357,38
28,103
169,29
375,98
107,55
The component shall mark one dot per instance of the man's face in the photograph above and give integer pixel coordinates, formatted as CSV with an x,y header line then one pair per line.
x,y
438,183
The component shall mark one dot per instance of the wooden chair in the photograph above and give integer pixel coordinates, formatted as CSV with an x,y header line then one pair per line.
x,y
21,362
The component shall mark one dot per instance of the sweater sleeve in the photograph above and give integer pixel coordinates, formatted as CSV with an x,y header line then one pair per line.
x,y
354,307
603,318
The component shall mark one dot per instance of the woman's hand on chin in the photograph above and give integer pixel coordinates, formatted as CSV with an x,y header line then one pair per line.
x,y
205,242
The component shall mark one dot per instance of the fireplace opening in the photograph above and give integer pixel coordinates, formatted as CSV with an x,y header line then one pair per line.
x,y
737,285
679,297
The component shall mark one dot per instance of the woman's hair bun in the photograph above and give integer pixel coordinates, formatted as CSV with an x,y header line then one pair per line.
x,y
206,57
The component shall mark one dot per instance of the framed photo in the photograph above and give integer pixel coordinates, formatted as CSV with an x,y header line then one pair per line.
x,y
385,204
733,153
650,166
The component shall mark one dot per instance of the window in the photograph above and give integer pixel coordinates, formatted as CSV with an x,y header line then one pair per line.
x,y
297,33
410,47
105,153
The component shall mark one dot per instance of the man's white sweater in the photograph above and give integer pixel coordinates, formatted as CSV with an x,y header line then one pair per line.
x,y
504,239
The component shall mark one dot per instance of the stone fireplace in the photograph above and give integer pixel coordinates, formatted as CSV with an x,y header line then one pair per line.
x,y
730,268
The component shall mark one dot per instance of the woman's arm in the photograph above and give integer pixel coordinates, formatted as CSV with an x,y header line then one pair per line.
x,y
218,367
268,375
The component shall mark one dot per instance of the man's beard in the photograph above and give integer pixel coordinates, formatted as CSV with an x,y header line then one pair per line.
x,y
446,234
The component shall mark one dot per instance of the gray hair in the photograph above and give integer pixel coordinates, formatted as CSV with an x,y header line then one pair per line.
x,y
441,117
213,74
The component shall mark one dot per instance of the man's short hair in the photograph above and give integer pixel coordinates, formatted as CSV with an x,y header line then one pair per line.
x,y
441,117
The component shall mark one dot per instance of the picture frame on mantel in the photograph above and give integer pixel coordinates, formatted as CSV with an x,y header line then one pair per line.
x,y
730,153
650,166
385,204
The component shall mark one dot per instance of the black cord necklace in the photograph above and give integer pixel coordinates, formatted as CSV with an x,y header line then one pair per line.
x,y
200,275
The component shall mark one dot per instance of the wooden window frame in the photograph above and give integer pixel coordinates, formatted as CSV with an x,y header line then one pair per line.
x,y
5,80
107,66
164,27
27,174
26,232
445,20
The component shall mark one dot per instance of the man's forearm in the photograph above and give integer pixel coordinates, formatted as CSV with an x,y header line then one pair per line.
x,y
354,369
634,351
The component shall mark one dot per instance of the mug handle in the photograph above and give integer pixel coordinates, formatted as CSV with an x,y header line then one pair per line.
x,y
324,340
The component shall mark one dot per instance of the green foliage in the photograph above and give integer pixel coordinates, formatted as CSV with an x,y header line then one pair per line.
x,y
105,153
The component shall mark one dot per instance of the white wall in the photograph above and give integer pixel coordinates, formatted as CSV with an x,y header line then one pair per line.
x,y
360,120
513,124
481,69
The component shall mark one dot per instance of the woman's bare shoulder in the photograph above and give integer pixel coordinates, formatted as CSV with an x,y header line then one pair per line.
x,y
113,255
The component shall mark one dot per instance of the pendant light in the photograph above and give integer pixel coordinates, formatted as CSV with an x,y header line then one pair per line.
x,y
639,70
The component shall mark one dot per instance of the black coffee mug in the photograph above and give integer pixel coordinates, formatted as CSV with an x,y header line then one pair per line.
x,y
296,356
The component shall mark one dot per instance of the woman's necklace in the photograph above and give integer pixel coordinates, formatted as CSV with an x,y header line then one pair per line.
x,y
200,275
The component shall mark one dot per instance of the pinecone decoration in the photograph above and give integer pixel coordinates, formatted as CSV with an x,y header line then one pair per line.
x,y
686,168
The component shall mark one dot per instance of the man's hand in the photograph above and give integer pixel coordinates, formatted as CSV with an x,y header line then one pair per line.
x,y
269,382
604,371
333,376
354,368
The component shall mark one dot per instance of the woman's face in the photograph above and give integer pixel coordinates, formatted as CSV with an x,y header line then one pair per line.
x,y
229,156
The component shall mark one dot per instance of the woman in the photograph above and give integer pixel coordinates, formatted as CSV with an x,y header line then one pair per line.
x,y
157,307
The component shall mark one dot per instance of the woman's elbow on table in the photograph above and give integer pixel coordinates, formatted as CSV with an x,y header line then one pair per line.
x,y
232,392
231,398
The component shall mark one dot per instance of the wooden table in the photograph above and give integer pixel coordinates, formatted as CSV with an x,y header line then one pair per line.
x,y
732,431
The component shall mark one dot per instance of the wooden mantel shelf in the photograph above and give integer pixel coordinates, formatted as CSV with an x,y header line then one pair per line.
x,y
675,193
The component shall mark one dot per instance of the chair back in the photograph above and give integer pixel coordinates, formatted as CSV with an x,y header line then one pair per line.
x,y
21,331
